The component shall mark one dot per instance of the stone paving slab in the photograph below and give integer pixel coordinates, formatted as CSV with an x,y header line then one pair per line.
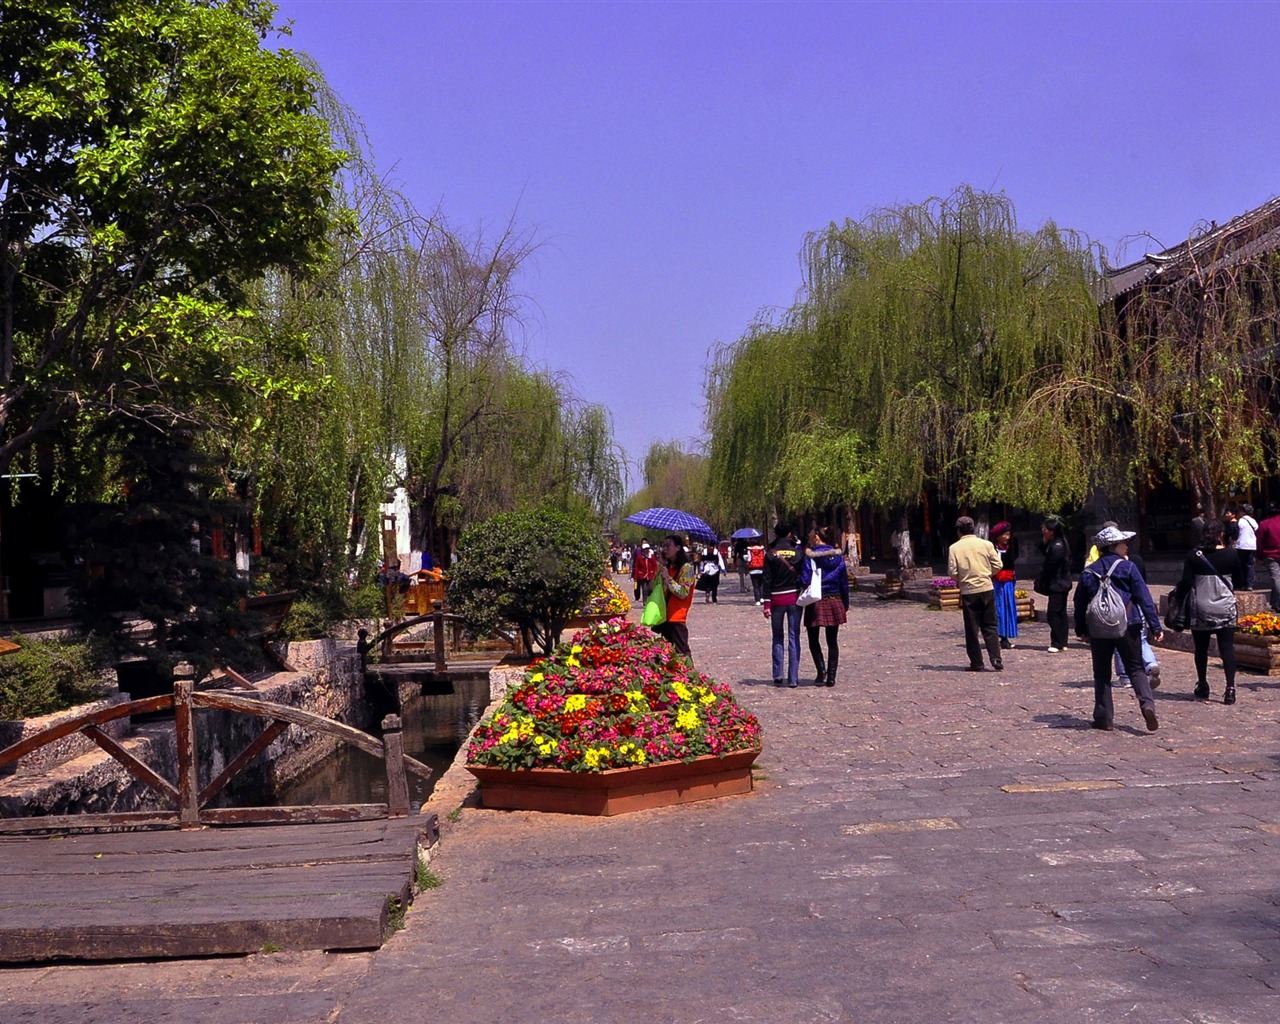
x,y
923,844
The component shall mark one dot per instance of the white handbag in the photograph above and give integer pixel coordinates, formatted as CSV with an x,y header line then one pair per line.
x,y
812,594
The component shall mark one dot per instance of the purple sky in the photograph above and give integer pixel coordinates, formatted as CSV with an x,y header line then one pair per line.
x,y
671,157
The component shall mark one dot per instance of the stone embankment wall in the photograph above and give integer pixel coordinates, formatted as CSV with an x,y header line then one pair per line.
x,y
328,682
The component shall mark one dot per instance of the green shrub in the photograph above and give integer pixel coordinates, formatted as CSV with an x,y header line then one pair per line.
x,y
533,570
365,602
307,620
49,675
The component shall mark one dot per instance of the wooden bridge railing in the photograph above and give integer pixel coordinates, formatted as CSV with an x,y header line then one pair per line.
x,y
186,798
438,618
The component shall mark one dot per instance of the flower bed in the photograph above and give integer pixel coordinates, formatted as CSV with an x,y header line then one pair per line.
x,y
607,599
1257,643
614,697
945,593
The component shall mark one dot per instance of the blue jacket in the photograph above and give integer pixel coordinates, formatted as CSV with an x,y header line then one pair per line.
x,y
835,575
1125,578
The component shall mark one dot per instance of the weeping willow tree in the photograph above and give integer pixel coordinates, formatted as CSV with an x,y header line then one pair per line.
x,y
672,478
1182,381
920,332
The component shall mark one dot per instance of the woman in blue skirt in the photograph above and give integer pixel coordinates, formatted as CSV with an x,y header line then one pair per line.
x,y
1006,583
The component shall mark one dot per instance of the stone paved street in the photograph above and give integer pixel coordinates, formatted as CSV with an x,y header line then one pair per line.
x,y
924,844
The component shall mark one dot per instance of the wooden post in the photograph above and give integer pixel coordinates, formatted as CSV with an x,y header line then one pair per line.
x,y
397,781
188,778
437,633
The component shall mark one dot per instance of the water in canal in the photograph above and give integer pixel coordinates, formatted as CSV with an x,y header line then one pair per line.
x,y
434,728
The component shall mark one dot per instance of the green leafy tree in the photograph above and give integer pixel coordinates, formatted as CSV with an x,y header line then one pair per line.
x,y
921,334
154,157
533,570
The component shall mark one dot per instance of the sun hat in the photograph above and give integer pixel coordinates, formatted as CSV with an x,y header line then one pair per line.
x,y
1112,535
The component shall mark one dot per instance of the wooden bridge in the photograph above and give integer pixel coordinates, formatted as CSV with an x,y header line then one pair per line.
x,y
326,877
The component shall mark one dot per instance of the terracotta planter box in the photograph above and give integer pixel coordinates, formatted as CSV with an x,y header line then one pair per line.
x,y
1258,653
618,790
889,589
583,621
947,598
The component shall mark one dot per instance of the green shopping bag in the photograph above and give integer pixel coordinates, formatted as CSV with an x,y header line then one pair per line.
x,y
655,609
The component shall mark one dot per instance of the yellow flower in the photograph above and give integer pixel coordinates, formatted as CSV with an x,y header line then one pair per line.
x,y
575,702
572,662
687,718
537,677
682,691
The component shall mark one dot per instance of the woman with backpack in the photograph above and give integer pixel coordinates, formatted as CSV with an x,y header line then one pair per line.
x,y
1213,572
1111,602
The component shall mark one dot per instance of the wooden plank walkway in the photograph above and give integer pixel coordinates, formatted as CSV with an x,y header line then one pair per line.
x,y
119,896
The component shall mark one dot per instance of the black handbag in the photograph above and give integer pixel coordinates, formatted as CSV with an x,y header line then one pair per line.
x,y
1177,613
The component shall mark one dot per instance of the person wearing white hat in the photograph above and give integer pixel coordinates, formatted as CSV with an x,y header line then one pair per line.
x,y
1113,545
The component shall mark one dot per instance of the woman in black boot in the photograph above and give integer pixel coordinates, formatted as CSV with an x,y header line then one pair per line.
x,y
832,611
1214,572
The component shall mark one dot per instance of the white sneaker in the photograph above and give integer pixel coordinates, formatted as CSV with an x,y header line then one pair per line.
x,y
1055,650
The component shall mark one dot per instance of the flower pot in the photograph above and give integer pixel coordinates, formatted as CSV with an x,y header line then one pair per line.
x,y
1026,609
1258,653
589,619
947,598
617,790
889,588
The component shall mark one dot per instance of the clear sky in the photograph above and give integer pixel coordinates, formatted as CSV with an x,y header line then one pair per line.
x,y
671,157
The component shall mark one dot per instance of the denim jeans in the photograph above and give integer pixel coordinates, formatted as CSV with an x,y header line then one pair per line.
x,y
787,617
1148,656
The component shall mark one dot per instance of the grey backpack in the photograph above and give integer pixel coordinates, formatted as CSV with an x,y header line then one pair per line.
x,y
1107,614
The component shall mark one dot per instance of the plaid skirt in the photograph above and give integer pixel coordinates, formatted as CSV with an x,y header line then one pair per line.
x,y
827,612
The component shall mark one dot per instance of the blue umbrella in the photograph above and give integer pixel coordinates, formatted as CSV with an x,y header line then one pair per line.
x,y
674,521
746,533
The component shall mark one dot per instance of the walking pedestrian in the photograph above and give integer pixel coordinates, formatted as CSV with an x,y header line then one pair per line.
x,y
676,575
973,562
832,611
1006,583
709,571
1269,551
643,571
1211,570
755,569
1247,542
781,565
1054,580
1123,576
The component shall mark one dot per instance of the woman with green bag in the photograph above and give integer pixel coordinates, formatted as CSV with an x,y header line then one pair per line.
x,y
677,590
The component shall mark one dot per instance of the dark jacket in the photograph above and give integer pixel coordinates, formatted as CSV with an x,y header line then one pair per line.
x,y
781,563
1126,578
1055,574
834,572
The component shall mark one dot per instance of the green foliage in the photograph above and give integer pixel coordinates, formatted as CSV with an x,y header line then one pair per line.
x,y
424,878
157,156
395,913
307,620
49,675
531,569
922,333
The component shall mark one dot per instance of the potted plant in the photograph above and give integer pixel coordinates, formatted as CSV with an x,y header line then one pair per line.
x,y
1026,605
533,570
944,592
1258,642
607,601
614,720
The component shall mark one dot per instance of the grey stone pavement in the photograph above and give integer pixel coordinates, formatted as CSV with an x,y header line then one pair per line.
x,y
923,844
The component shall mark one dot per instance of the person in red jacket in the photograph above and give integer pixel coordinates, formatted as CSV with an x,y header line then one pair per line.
x,y
1269,551
644,567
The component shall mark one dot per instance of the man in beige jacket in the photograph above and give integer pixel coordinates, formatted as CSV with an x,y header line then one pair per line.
x,y
973,564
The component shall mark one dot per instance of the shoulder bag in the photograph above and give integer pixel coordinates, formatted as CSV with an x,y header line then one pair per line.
x,y
1213,602
812,594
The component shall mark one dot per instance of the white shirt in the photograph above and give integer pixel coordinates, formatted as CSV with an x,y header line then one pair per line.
x,y
1248,540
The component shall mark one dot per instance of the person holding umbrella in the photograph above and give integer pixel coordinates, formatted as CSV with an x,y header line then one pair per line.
x,y
678,592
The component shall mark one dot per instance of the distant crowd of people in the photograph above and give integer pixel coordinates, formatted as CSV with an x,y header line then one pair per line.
x,y
805,585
